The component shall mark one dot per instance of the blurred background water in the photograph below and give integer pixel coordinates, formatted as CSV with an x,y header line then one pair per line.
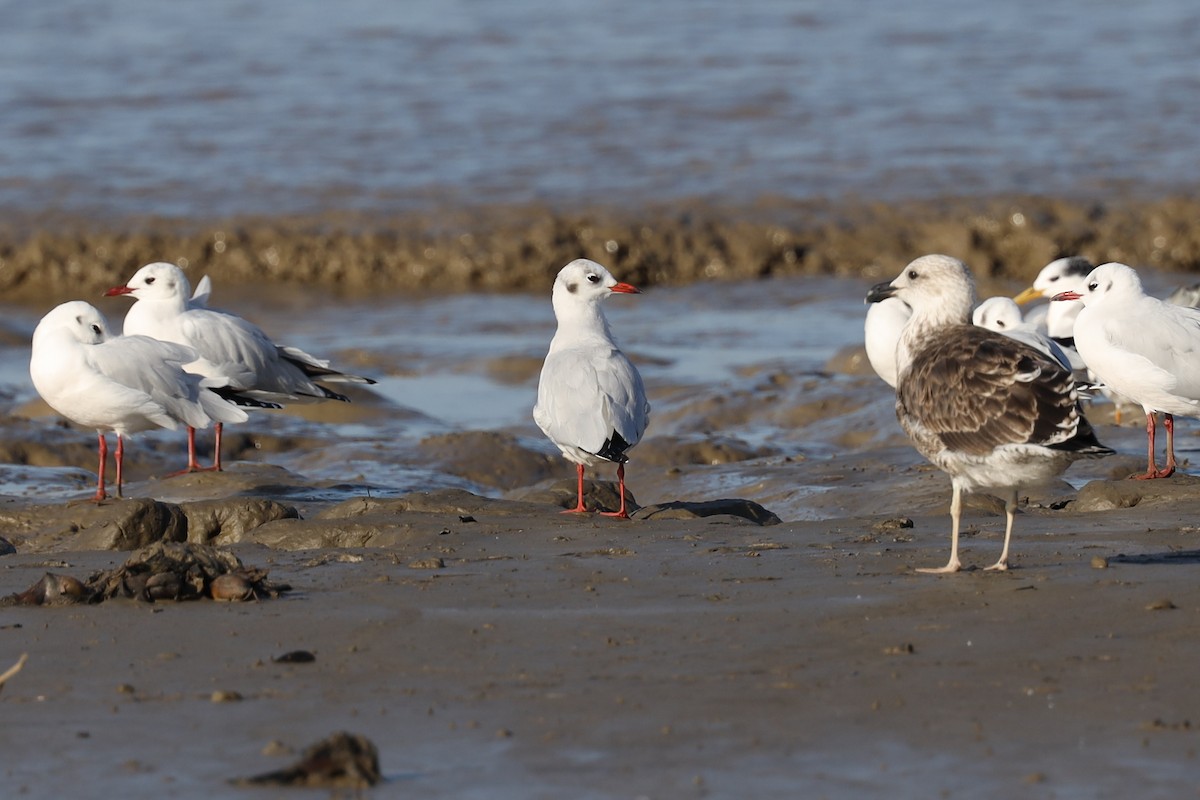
x,y
234,106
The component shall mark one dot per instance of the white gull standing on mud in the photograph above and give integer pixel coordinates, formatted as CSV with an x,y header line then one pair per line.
x,y
236,354
1146,349
124,384
591,402
993,413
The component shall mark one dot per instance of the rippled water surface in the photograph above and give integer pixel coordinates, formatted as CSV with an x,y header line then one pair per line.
x,y
235,106
436,361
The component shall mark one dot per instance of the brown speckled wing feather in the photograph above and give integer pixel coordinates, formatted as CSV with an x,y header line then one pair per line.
x,y
975,390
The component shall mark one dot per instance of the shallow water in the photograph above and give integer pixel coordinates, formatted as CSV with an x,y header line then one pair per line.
x,y
202,109
735,362
435,356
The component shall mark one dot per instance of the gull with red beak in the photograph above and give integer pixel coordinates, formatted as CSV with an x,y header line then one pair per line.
x,y
234,354
1146,349
591,401
123,384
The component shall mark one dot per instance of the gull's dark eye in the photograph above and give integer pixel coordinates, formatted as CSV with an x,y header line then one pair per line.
x,y
999,323
593,278
96,329
1093,286
149,281
912,275
1054,278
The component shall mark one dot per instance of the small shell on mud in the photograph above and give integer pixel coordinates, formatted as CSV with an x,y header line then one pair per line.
x,y
231,587
63,586
50,589
162,586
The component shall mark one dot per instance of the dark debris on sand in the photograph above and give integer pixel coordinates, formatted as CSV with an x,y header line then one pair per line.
x,y
160,571
340,761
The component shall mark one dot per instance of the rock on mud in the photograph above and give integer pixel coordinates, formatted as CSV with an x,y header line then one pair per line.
x,y
134,523
597,495
731,507
1107,495
227,521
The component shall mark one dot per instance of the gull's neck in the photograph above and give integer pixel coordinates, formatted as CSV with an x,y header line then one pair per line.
x,y
1061,316
579,322
925,322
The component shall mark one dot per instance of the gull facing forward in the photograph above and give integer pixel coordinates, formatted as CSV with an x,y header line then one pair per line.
x,y
591,401
124,384
993,413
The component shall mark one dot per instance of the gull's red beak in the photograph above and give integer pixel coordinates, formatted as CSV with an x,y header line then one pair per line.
x,y
1067,296
626,288
117,290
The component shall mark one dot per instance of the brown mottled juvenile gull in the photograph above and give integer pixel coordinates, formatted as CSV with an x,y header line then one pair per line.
x,y
993,413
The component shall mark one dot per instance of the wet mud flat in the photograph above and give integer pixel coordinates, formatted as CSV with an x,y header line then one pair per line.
x,y
511,247
496,648
756,630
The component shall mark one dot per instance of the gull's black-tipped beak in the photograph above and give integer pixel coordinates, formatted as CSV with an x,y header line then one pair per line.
x,y
880,292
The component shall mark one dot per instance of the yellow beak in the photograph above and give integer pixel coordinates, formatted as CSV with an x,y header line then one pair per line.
x,y
1028,296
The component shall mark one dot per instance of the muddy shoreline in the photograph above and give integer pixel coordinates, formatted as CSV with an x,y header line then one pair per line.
x,y
513,248
775,644
496,648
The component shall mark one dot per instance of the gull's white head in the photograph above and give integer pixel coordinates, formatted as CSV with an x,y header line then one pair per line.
x,y
999,314
1110,282
588,281
1060,275
938,288
579,288
76,319
157,281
